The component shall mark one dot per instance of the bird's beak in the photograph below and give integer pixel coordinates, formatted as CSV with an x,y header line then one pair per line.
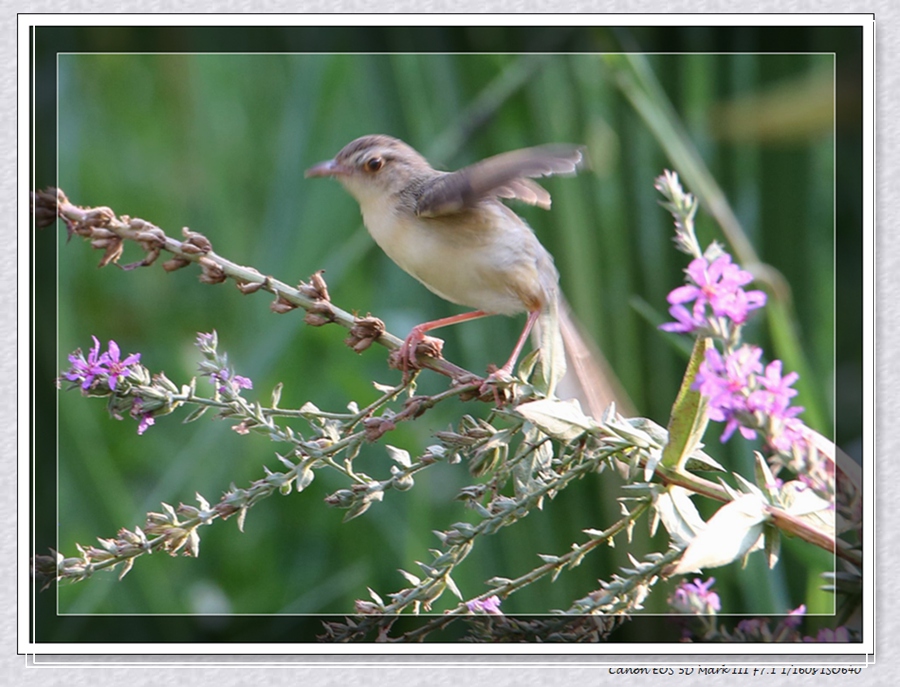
x,y
329,168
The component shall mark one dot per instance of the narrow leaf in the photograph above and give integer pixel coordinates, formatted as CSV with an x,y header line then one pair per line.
x,y
304,478
276,394
126,568
679,515
700,461
773,544
195,414
398,455
689,418
453,588
765,480
412,579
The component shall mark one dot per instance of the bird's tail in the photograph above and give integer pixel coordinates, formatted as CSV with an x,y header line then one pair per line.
x,y
574,367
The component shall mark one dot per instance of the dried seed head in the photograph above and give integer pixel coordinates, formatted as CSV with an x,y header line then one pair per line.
x,y
318,283
316,289
364,332
175,263
196,241
319,313
114,249
281,306
247,287
212,272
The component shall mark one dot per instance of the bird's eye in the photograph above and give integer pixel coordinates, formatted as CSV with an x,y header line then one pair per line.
x,y
373,164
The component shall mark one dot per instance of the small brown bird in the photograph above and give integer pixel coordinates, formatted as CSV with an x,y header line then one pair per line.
x,y
450,231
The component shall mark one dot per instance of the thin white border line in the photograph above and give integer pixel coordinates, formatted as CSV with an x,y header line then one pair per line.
x,y
474,54
56,398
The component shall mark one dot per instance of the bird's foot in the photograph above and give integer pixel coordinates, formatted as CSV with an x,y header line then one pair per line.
x,y
498,382
417,343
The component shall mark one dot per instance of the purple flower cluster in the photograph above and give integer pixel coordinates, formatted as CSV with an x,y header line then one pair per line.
x,y
108,365
759,629
747,397
695,597
741,393
107,369
717,285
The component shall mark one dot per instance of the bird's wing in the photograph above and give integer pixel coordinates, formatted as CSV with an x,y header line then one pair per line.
x,y
504,176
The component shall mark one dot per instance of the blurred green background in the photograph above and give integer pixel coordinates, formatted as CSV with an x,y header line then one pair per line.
x,y
219,143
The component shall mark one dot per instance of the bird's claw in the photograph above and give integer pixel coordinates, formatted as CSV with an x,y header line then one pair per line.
x,y
417,342
496,383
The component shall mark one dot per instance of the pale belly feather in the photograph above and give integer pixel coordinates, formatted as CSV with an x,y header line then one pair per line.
x,y
461,262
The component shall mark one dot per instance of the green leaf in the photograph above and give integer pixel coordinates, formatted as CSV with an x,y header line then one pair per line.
x,y
656,432
688,420
195,414
733,532
679,515
451,585
398,455
700,461
773,544
304,478
802,502
276,394
412,579
765,480
526,366
375,597
563,420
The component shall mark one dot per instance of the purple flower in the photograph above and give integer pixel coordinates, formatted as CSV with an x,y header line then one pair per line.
x,y
717,284
226,381
723,381
773,398
776,393
737,305
795,617
118,368
787,431
747,398
490,605
687,320
695,597
83,370
145,419
239,382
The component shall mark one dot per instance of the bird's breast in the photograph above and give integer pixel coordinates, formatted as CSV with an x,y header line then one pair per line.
x,y
486,258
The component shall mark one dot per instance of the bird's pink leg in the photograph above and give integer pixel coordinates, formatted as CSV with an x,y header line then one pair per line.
x,y
520,344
